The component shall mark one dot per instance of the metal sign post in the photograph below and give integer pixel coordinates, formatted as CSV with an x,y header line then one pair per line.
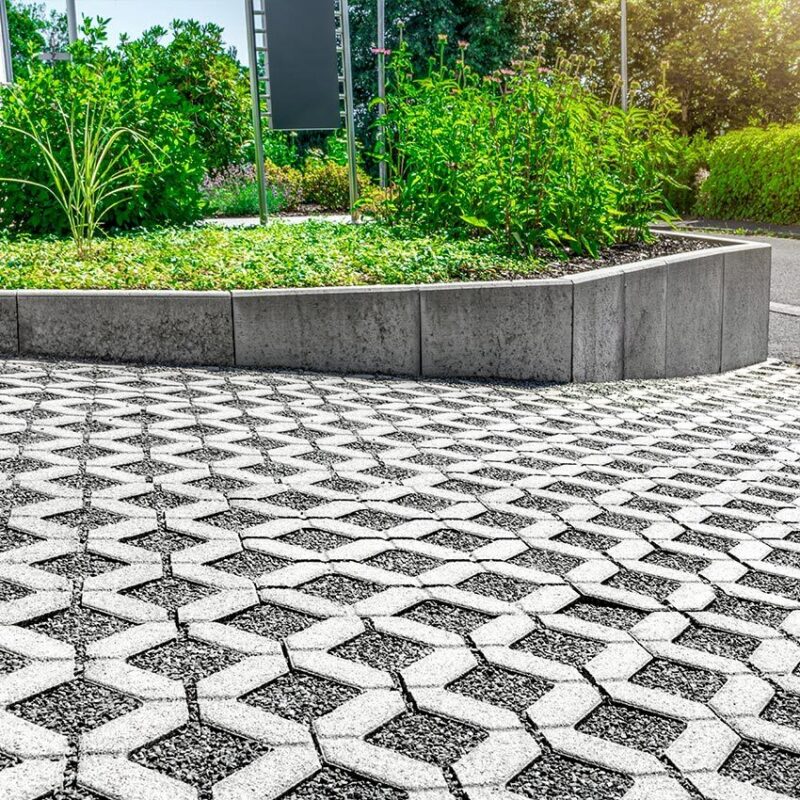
x,y
6,67
382,167
301,74
72,21
624,38
352,155
253,32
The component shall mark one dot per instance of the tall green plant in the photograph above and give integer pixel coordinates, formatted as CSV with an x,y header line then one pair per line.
x,y
95,178
527,155
97,141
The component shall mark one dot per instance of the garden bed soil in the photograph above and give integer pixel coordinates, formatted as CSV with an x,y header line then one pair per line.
x,y
620,255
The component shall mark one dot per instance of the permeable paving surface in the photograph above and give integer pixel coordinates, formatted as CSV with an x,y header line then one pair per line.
x,y
244,586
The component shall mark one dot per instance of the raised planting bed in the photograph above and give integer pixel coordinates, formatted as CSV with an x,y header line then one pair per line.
x,y
703,308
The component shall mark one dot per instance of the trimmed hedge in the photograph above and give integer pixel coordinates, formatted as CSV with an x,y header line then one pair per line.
x,y
755,175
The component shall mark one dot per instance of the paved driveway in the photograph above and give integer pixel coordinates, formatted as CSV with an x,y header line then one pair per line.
x,y
311,587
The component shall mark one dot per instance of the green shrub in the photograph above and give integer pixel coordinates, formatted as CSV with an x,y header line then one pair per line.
x,y
160,157
688,172
754,175
211,89
326,182
527,155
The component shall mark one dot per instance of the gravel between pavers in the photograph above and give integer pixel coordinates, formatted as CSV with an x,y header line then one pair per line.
x,y
720,643
547,561
199,755
501,687
270,621
784,709
87,519
587,539
750,610
377,520
249,564
187,660
11,591
456,540
632,727
641,582
10,662
500,587
556,777
774,584
443,615
382,651
404,562
765,766
558,646
300,696
316,540
428,737
237,519
74,707
332,783
79,565
341,588
606,613
692,683
169,593
707,540
78,624
10,540
163,541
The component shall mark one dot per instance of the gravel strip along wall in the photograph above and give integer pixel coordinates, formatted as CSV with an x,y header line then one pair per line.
x,y
695,313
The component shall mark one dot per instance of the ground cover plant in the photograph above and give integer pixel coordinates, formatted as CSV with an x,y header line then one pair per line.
x,y
527,155
284,254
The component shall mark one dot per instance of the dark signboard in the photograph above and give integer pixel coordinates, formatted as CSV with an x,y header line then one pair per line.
x,y
303,65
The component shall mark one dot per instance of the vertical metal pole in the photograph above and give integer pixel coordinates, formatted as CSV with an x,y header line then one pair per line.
x,y
383,167
72,21
6,67
255,95
349,111
624,38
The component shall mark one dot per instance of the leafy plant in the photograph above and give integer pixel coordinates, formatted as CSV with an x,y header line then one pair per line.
x,y
96,177
754,175
688,171
279,255
106,123
527,155
209,87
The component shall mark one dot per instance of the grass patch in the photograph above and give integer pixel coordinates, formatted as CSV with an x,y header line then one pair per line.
x,y
281,255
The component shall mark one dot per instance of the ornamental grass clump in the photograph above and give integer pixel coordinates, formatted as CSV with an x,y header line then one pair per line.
x,y
526,155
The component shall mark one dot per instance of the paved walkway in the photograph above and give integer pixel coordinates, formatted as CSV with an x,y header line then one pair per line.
x,y
241,585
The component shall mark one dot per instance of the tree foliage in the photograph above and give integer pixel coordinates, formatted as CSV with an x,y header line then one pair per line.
x,y
191,59
728,63
526,155
485,24
33,30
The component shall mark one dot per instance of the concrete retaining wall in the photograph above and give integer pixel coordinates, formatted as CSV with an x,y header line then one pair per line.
x,y
697,313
